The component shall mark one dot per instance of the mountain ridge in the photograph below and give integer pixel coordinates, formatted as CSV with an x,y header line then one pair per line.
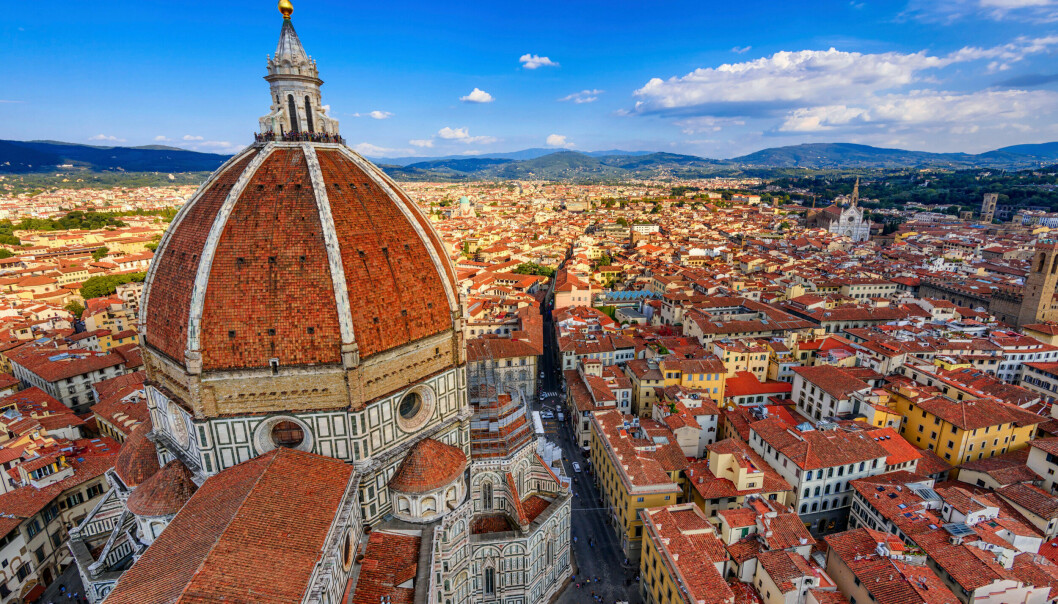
x,y
539,163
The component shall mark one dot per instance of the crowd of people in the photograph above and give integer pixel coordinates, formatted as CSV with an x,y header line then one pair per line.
x,y
298,137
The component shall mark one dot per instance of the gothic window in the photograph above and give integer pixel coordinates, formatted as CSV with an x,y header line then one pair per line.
x,y
308,113
490,580
486,496
1054,265
293,113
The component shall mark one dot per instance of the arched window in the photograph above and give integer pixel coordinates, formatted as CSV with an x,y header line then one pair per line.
x,y
550,554
308,113
486,496
490,580
293,113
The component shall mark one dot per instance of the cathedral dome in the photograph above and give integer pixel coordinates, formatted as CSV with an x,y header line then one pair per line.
x,y
138,459
428,466
164,493
292,254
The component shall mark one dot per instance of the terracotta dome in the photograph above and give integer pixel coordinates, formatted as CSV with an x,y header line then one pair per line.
x,y
138,459
164,493
428,466
296,252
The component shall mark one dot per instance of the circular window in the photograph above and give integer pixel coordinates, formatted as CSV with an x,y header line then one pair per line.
x,y
287,434
176,424
415,408
347,550
410,405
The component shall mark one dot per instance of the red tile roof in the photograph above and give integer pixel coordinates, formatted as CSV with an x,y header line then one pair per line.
x,y
429,465
389,560
262,519
138,459
164,493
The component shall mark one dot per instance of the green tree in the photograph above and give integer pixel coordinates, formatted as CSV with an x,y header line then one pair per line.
x,y
98,254
5,253
621,221
98,287
75,308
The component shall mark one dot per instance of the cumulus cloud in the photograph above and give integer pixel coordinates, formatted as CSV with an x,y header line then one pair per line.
x,y
530,61
107,138
380,115
374,150
477,96
558,140
830,90
584,96
462,135
161,138
191,137
421,142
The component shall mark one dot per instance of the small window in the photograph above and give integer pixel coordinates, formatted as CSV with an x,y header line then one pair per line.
x,y
310,330
272,332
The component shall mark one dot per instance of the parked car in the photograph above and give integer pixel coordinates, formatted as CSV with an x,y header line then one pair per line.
x,y
576,467
547,415
541,375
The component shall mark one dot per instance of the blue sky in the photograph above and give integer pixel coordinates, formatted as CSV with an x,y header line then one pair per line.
x,y
716,79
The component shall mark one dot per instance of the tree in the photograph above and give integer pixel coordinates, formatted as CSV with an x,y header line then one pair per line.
x,y
98,254
75,308
621,221
5,253
531,268
98,287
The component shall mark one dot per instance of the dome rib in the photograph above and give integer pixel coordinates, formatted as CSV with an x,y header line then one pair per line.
x,y
300,252
410,214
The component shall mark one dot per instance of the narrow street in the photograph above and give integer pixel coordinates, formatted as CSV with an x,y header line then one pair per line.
x,y
596,549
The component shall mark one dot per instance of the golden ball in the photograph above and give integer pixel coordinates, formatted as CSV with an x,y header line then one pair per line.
x,y
286,8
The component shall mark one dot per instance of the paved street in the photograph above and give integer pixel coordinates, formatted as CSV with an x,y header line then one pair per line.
x,y
71,581
589,517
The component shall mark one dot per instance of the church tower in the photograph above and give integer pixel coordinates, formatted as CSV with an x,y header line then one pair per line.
x,y
1037,303
855,193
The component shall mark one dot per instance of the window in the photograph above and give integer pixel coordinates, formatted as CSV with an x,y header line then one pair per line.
x,y
490,580
95,490
410,405
287,434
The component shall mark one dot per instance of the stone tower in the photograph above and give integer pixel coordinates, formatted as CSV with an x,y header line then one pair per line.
x,y
988,207
1037,302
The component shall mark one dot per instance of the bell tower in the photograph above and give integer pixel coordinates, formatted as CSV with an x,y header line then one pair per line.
x,y
1038,302
295,87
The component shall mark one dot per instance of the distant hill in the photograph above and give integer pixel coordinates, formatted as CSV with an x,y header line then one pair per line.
x,y
545,164
45,156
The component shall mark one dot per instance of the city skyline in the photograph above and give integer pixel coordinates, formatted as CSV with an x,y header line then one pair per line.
x,y
415,79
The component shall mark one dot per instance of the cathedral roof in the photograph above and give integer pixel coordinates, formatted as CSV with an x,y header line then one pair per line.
x,y
429,465
296,252
265,518
138,459
164,493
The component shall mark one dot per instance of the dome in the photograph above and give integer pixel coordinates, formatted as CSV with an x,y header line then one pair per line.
x,y
428,466
299,253
138,459
164,493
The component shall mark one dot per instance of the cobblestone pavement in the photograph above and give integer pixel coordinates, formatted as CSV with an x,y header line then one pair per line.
x,y
589,525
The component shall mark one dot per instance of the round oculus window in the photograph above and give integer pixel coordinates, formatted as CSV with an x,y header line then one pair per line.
x,y
287,434
410,405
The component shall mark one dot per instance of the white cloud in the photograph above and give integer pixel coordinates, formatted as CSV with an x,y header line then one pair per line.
x,y
161,138
380,115
558,140
462,135
106,137
191,137
369,149
964,113
948,11
477,96
533,61
584,96
741,49
421,142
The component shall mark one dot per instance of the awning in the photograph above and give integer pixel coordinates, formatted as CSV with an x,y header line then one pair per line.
x,y
34,594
